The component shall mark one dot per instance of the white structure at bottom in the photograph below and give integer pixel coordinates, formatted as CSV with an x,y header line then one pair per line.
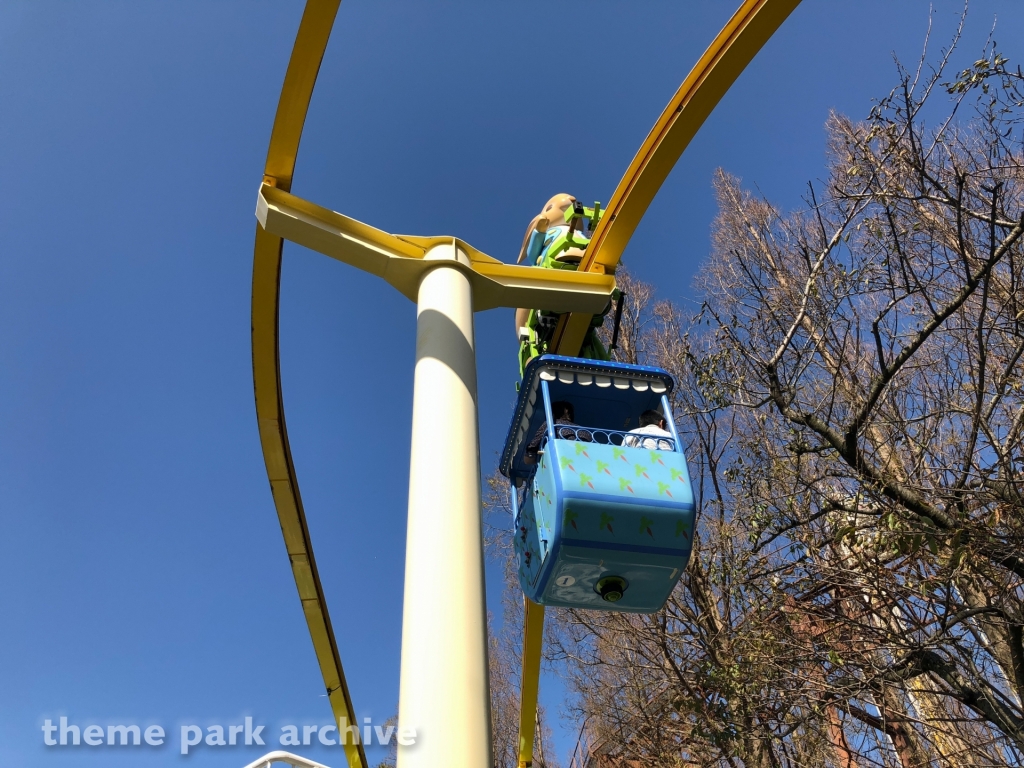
x,y
284,757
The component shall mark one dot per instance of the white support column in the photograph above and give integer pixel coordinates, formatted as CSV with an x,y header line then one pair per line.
x,y
444,686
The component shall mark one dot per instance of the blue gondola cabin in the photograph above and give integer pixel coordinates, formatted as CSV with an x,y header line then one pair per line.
x,y
603,517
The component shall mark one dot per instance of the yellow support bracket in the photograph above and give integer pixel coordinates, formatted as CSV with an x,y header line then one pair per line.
x,y
401,259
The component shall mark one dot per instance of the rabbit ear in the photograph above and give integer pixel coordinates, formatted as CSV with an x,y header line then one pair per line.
x,y
526,239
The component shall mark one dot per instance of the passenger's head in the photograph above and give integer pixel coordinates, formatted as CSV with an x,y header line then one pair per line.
x,y
652,419
563,410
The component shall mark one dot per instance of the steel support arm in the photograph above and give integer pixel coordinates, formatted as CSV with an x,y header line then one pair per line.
x,y
401,259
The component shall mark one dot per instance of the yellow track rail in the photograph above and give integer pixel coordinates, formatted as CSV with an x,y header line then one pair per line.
x,y
310,43
736,45
734,48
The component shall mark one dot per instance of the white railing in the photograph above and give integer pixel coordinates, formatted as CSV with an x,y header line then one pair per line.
x,y
284,757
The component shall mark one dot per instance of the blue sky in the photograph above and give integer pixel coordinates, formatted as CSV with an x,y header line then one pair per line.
x,y
142,573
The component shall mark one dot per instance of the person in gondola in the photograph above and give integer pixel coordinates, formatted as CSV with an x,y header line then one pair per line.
x,y
651,423
565,415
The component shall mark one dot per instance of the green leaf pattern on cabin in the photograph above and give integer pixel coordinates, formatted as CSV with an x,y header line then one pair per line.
x,y
569,518
598,493
634,475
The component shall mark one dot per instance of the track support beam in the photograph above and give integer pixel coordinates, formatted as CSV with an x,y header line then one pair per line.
x,y
533,640
444,692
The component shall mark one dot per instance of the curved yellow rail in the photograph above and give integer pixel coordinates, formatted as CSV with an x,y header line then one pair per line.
x,y
736,45
310,43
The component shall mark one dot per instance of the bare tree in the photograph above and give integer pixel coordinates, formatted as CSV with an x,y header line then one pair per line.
x,y
879,334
